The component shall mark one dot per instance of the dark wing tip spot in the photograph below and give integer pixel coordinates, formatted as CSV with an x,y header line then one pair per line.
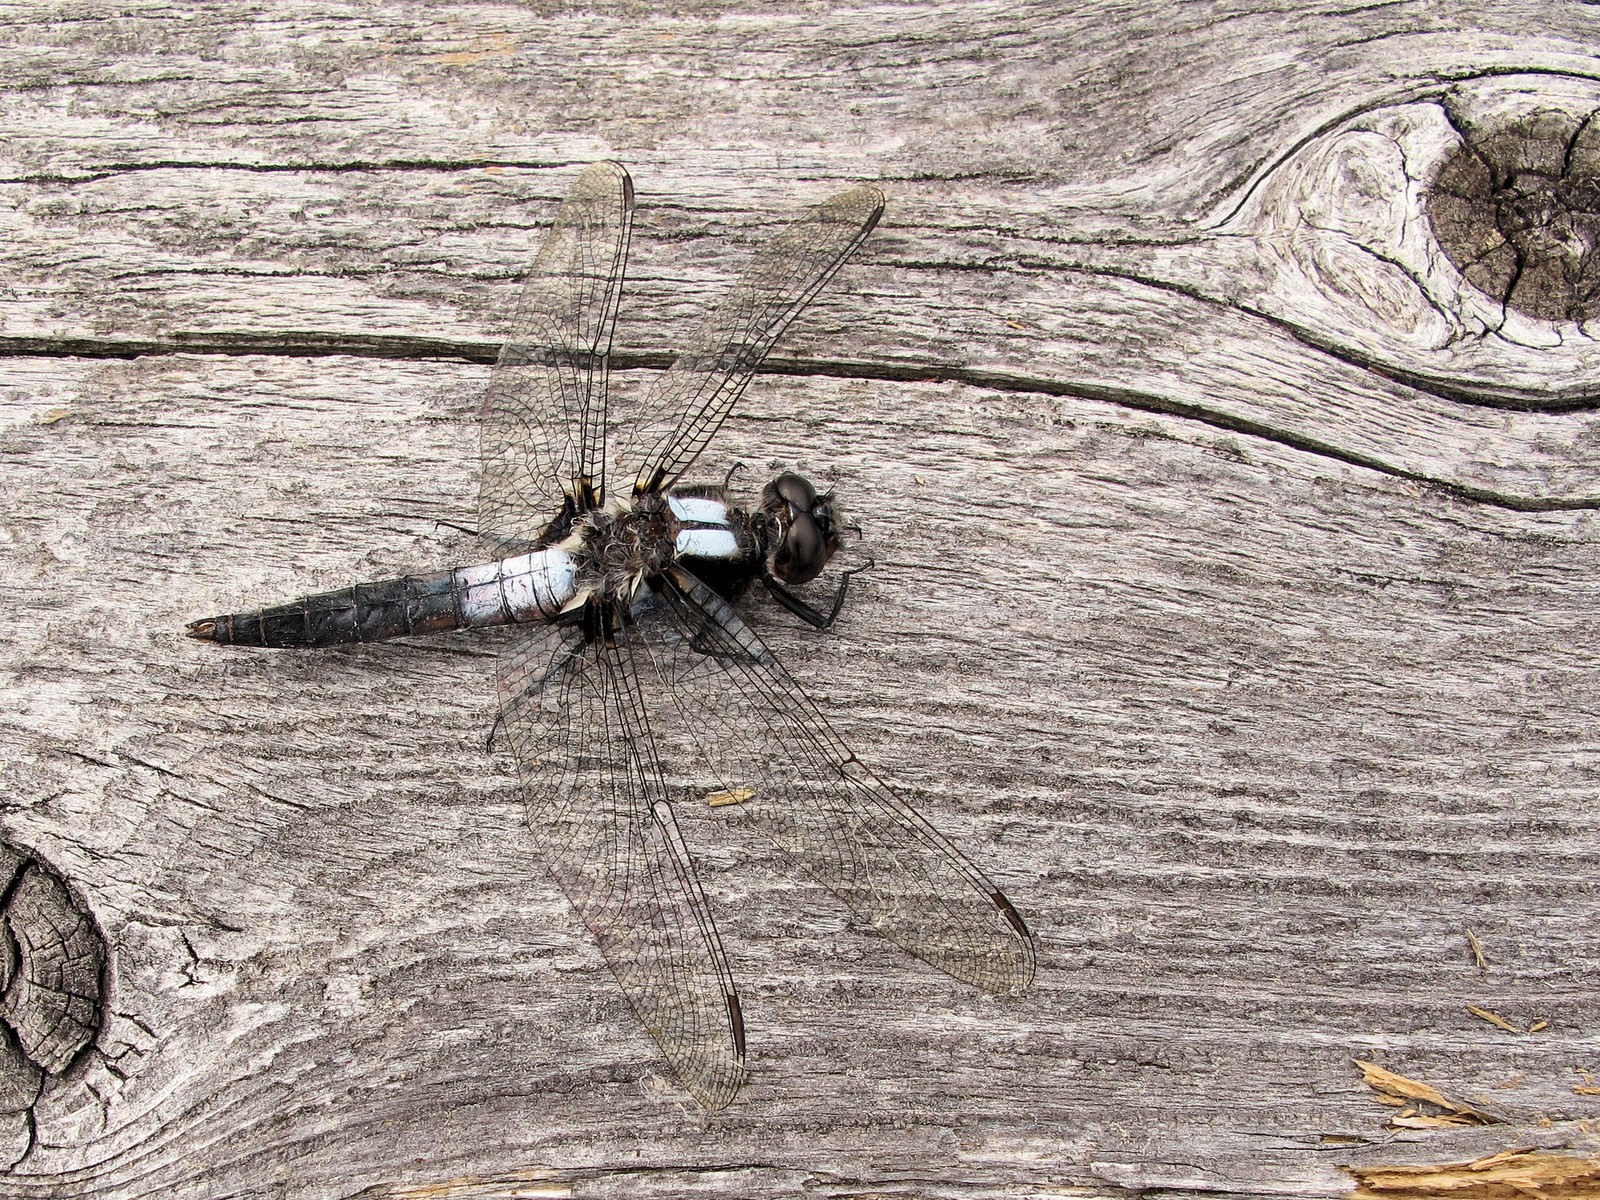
x,y
880,200
1014,919
736,1024
1012,916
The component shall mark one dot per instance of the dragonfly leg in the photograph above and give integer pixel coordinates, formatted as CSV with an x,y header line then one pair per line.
x,y
703,643
804,611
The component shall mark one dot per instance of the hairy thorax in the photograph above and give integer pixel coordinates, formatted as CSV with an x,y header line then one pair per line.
x,y
625,545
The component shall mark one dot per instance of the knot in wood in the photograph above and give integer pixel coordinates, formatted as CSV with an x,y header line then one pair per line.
x,y
1516,208
52,977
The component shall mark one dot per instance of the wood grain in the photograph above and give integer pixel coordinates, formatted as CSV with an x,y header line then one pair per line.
x,y
1234,605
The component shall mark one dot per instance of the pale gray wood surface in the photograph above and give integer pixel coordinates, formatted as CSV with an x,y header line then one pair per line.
x,y
1235,602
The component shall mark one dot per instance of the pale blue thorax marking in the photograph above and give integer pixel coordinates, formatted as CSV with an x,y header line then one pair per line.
x,y
711,537
700,510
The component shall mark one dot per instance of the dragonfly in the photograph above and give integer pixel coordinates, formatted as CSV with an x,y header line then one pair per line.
x,y
630,686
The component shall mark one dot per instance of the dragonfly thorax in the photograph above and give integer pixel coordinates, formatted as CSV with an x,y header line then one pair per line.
x,y
622,545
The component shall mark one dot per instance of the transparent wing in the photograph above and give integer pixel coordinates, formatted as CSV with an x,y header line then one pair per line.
x,y
544,417
780,765
599,810
690,401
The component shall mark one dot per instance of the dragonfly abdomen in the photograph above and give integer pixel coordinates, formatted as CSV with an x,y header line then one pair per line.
x,y
528,587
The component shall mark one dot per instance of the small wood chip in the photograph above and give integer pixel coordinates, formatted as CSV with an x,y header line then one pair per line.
x,y
1380,1079
1477,950
1390,1088
731,796
1499,1022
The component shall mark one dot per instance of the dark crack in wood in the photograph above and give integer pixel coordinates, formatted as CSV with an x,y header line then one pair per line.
x,y
1516,207
412,348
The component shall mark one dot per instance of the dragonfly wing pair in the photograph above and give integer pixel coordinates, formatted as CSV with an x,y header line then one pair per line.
x,y
548,423
602,714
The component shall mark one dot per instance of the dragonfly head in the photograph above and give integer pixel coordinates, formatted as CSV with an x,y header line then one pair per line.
x,y
804,525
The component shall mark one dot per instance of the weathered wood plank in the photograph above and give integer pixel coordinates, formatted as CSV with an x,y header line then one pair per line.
x,y
1253,739
1253,724
1062,322
1314,276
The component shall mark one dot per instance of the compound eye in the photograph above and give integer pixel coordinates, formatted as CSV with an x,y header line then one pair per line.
x,y
796,490
803,554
